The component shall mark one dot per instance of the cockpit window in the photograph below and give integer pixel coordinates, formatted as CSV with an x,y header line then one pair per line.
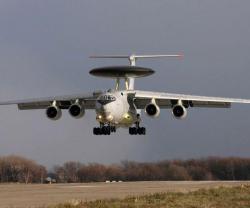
x,y
105,99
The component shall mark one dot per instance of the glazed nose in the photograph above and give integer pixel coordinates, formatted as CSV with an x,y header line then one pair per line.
x,y
109,117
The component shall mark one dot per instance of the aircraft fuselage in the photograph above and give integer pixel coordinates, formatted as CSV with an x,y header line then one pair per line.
x,y
116,108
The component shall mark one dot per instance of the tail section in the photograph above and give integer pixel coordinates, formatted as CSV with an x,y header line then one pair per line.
x,y
132,58
129,80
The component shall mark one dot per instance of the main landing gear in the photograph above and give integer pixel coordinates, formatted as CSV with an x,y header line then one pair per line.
x,y
137,130
104,130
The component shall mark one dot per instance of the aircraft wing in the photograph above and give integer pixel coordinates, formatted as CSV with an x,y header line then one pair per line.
x,y
167,100
63,102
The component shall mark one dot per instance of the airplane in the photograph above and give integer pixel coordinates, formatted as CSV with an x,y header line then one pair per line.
x,y
121,107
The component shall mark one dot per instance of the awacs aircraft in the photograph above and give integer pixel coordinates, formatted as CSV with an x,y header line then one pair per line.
x,y
121,107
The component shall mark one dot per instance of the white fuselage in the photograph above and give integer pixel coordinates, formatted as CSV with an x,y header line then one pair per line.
x,y
116,108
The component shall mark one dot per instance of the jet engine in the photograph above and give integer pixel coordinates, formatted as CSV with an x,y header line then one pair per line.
x,y
152,110
179,111
53,112
76,110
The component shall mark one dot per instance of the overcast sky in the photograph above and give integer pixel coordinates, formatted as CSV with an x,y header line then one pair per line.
x,y
44,49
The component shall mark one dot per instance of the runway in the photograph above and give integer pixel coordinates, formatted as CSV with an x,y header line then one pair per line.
x,y
21,195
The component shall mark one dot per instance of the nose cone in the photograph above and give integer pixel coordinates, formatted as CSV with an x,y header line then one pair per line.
x,y
104,113
109,117
105,108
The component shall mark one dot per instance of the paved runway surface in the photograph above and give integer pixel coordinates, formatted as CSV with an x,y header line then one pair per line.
x,y
21,195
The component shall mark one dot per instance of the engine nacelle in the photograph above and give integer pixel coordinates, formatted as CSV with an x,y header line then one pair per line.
x,y
53,112
76,110
152,110
179,111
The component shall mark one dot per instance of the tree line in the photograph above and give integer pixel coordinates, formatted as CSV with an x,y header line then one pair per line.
x,y
19,169
211,168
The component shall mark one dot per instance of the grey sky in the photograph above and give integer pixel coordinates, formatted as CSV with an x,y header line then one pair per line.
x,y
44,49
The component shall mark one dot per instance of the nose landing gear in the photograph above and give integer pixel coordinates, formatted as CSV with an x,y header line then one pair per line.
x,y
104,130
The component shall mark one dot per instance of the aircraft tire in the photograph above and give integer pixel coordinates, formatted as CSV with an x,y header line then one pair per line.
x,y
96,131
139,131
132,130
112,129
143,130
106,130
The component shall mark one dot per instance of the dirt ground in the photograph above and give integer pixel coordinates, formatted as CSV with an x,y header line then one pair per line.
x,y
21,195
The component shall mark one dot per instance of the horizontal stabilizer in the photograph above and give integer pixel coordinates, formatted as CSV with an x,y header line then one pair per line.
x,y
132,58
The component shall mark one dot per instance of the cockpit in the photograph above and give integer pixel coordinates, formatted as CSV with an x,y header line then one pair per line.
x,y
105,99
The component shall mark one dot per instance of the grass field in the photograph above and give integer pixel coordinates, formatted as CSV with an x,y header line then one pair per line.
x,y
44,195
230,197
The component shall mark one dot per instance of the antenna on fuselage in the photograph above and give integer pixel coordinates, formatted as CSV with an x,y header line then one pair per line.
x,y
131,75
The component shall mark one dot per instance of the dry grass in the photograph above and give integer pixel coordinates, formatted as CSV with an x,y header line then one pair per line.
x,y
230,197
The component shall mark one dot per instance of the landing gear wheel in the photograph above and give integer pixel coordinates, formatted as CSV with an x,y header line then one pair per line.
x,y
104,130
132,130
143,130
139,131
112,128
135,131
97,131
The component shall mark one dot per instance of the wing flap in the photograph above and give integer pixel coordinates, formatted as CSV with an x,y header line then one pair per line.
x,y
210,104
33,106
